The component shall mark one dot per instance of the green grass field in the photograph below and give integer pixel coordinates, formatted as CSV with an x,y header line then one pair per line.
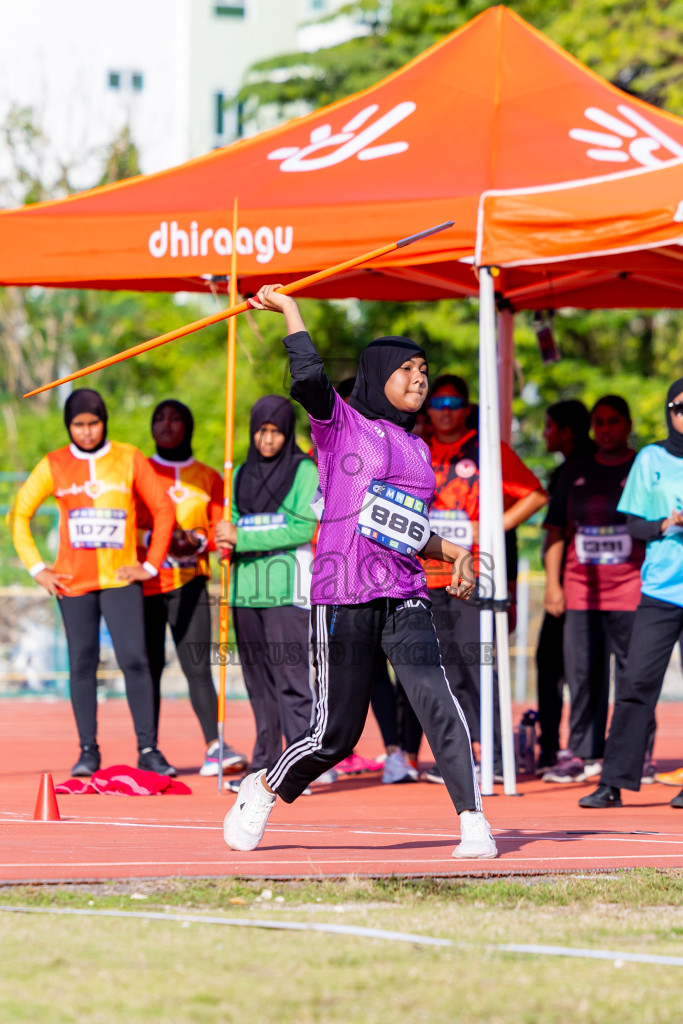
x,y
100,970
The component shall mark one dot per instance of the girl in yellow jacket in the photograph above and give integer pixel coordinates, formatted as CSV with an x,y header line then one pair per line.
x,y
178,595
96,572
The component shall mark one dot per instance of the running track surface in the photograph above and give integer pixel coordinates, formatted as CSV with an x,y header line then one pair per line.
x,y
356,826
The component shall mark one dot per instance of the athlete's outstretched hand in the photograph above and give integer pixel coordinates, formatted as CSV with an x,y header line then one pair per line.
x,y
269,297
53,582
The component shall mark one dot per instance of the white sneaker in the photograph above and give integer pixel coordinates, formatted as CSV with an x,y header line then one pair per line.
x,y
397,768
246,820
476,841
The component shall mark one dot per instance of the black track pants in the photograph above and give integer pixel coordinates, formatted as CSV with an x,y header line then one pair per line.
x,y
346,639
656,629
550,683
122,610
589,637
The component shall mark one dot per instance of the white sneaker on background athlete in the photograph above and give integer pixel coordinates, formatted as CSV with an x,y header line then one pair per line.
x,y
397,768
476,841
246,820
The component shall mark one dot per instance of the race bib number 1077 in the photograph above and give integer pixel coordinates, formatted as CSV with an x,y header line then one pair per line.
x,y
394,519
97,527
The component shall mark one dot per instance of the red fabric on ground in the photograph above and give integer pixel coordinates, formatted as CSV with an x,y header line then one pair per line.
x,y
122,780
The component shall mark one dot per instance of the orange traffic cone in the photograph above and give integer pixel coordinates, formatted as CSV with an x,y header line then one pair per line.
x,y
46,804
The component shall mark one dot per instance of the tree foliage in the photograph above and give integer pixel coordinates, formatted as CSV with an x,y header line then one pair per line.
x,y
636,44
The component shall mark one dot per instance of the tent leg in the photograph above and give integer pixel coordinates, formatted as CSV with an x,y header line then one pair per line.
x,y
492,545
506,349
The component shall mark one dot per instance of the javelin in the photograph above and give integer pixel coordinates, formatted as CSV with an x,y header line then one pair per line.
x,y
242,307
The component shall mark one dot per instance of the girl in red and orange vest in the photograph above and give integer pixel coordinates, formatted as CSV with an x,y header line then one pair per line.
x,y
96,571
178,595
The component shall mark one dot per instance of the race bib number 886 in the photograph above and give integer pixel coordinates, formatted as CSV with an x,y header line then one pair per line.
x,y
394,519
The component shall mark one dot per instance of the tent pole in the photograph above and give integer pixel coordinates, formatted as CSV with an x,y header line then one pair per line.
x,y
492,543
487,344
224,605
506,348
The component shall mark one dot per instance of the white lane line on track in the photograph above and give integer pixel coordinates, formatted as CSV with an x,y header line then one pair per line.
x,y
633,838
319,863
618,957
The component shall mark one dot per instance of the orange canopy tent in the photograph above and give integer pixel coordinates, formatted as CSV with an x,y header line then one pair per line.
x,y
626,226
493,106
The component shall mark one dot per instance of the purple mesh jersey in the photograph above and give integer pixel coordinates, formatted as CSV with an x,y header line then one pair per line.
x,y
377,485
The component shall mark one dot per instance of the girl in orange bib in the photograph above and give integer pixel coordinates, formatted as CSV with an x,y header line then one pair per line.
x,y
96,571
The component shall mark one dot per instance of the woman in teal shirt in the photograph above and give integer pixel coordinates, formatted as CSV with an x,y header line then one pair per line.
x,y
270,539
653,502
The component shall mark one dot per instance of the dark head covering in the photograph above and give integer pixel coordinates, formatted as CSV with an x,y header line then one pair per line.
x,y
85,400
183,452
345,387
377,363
263,483
674,442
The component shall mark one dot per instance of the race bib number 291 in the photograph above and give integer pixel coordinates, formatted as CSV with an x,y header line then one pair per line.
x,y
394,519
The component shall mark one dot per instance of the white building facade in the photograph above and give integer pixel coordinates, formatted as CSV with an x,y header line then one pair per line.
x,y
167,69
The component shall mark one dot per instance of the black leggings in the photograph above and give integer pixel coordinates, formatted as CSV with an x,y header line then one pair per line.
x,y
550,683
187,612
273,650
122,610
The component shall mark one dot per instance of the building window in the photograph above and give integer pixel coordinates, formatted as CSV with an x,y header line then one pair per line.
x,y
114,80
229,10
136,81
219,122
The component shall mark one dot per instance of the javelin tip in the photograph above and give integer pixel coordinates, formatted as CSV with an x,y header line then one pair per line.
x,y
424,234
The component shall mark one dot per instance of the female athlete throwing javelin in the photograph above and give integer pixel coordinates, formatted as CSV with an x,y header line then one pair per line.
x,y
369,590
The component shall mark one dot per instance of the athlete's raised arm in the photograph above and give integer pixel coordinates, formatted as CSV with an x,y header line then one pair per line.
x,y
310,384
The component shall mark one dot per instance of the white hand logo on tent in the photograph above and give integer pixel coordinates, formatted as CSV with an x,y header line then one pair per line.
x,y
346,143
640,148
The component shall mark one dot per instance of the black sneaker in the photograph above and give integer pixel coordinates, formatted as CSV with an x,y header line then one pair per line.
x,y
433,774
154,761
604,796
88,762
677,800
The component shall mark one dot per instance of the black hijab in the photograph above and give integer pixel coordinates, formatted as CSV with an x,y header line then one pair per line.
x,y
674,442
377,363
183,452
85,400
263,483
